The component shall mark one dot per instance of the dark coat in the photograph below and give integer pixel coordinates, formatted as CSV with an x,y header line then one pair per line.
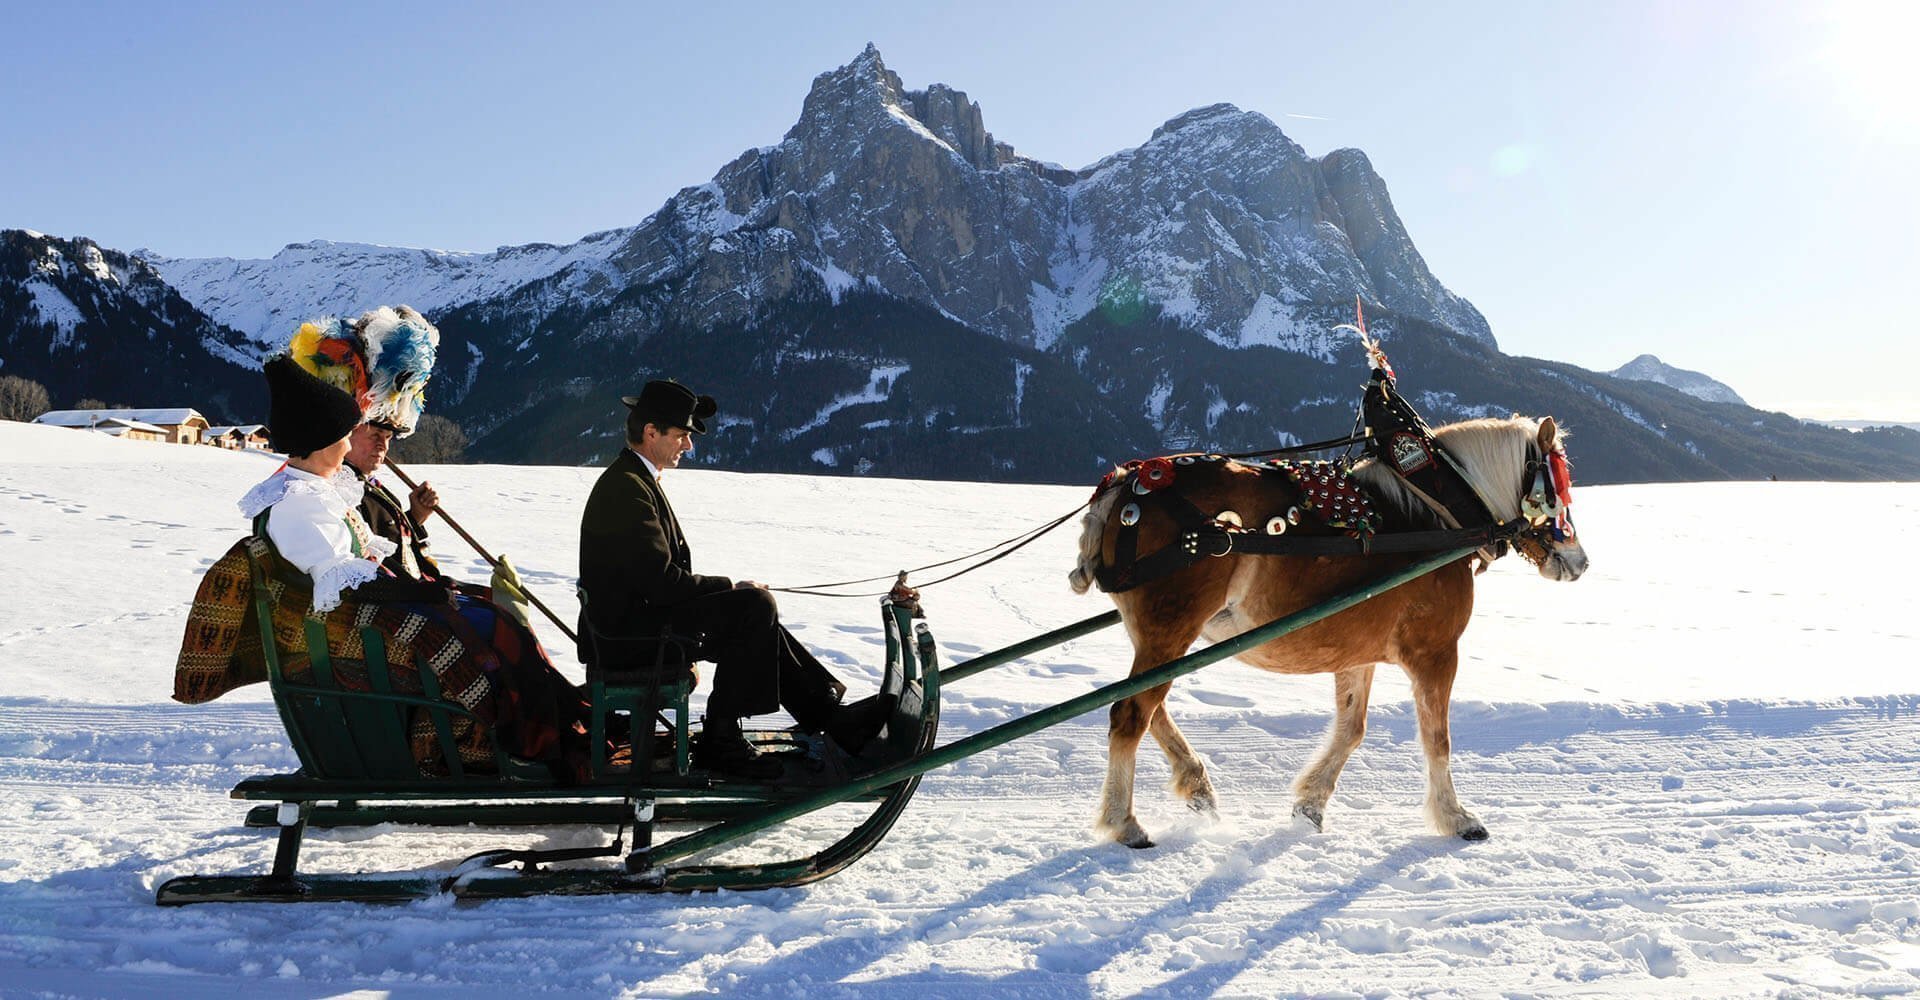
x,y
387,515
634,559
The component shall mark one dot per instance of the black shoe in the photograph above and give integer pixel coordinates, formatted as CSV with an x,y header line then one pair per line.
x,y
729,753
854,726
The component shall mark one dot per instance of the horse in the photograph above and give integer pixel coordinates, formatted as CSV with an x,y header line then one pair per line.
x,y
1416,626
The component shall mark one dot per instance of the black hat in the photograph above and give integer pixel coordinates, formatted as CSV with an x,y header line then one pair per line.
x,y
670,404
304,413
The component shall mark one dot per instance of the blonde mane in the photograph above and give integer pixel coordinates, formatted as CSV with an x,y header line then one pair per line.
x,y
1492,453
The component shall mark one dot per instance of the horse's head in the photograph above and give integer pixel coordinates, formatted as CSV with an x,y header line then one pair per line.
x,y
1546,494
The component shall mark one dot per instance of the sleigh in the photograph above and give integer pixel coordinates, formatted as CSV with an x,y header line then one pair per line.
x,y
358,769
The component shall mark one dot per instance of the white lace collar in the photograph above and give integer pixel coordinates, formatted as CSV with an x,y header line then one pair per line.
x,y
291,480
349,485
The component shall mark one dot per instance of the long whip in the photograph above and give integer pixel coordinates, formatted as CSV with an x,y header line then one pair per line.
x,y
491,561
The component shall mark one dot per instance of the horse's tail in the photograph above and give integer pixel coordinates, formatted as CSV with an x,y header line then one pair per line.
x,y
1093,528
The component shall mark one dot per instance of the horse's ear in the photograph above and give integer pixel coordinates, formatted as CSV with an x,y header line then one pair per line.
x,y
1549,434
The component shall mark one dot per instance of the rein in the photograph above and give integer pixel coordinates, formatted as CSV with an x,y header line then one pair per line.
x,y
1006,548
1358,437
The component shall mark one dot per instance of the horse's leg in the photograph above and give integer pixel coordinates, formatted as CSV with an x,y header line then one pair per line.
x,y
1127,723
1189,771
1432,677
1315,784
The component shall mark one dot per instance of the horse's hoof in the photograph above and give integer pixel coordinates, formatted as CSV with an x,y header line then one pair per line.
x,y
1309,814
1204,804
1133,835
1474,833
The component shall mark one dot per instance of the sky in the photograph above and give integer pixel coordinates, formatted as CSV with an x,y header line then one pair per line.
x,y
1728,186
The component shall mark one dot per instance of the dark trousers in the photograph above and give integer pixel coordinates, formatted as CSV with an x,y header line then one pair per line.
x,y
758,665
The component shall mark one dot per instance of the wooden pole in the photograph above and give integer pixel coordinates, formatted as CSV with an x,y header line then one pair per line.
x,y
491,561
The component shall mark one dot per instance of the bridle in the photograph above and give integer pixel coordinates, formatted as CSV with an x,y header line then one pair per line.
x,y
1546,501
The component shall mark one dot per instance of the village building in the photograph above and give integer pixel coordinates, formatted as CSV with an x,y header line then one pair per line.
x,y
239,437
132,430
178,425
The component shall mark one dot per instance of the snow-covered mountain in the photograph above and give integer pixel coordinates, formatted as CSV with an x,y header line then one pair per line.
x,y
84,320
890,289
1219,218
268,299
1647,368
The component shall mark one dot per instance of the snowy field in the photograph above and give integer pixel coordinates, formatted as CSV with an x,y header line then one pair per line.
x,y
1700,765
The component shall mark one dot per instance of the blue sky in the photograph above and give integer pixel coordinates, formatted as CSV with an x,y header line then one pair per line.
x,y
1728,185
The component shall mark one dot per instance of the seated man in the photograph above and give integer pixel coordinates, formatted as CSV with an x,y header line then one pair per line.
x,y
637,570
402,524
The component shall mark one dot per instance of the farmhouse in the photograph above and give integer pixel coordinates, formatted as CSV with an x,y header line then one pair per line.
x,y
239,437
132,430
178,425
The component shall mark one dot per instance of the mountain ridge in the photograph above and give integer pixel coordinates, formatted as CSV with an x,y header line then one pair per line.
x,y
893,288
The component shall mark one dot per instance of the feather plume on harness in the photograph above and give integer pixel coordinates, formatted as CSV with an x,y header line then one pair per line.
x,y
400,349
1376,356
331,352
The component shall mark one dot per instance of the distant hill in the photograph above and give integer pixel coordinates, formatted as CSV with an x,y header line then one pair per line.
x,y
86,321
1647,368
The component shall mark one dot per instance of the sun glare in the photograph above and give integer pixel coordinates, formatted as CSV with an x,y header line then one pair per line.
x,y
1867,48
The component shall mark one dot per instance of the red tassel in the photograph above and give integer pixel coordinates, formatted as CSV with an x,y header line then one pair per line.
x,y
1562,477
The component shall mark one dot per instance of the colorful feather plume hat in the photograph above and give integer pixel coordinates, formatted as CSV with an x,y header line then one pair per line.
x,y
331,352
384,359
400,346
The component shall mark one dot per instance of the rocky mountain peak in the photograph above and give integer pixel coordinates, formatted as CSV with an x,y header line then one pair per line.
x,y
1647,368
1212,114
866,81
850,103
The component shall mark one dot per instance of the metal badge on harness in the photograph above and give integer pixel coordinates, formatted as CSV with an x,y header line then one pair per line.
x,y
1409,452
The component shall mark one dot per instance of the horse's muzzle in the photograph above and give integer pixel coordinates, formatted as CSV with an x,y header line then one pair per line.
x,y
1564,564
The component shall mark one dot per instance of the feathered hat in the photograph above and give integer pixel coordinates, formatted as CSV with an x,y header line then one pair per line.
x,y
399,346
331,352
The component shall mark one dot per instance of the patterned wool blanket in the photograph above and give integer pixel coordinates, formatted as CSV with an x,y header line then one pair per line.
x,y
519,703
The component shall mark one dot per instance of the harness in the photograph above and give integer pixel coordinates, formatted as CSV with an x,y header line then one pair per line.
x,y
1329,514
1402,441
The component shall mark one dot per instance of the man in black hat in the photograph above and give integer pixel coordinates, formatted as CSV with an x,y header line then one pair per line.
x,y
637,571
403,524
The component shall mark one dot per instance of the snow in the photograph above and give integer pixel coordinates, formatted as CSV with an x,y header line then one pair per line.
x,y
55,310
1077,276
95,264
1698,764
837,280
171,416
1157,402
904,117
1271,323
268,299
879,384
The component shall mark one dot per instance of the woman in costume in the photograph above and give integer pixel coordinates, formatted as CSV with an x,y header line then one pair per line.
x,y
312,520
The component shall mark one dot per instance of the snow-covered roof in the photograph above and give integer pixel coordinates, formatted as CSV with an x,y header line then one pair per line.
x,y
244,430
129,425
165,416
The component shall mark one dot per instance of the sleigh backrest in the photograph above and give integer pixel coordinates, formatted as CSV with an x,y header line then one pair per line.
x,y
340,731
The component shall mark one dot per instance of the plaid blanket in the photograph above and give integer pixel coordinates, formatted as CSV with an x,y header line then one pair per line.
x,y
481,664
